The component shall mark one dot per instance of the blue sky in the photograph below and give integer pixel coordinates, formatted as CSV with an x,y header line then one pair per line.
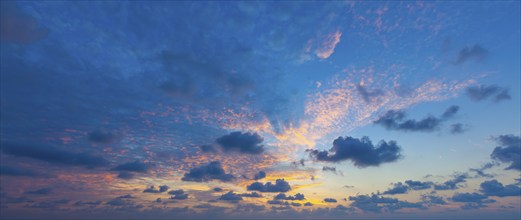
x,y
338,109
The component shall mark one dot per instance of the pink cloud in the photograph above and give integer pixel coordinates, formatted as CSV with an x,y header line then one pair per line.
x,y
328,45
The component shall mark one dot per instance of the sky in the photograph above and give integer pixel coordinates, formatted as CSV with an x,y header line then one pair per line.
x,y
260,109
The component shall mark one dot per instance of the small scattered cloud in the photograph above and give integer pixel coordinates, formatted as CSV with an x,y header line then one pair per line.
x,y
242,142
458,128
207,148
369,95
476,53
452,184
472,200
330,200
483,92
231,196
361,151
182,196
176,192
282,196
152,189
328,45
395,120
126,175
495,188
398,188
418,185
279,186
251,195
509,151
211,171
259,175
53,155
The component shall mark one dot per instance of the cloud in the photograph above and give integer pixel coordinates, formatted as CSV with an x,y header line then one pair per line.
x,y
326,168
328,45
495,188
481,171
176,192
182,196
135,166
251,195
282,196
472,200
279,186
451,184
207,148
361,151
418,185
217,189
259,175
457,128
99,136
230,196
242,142
369,95
308,204
42,191
152,189
211,171
371,203
398,188
330,200
17,171
17,27
433,200
125,175
483,92
476,53
395,120
53,155
278,202
509,151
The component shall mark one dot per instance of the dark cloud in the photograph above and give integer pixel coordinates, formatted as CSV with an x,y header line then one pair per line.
x,y
211,171
295,204
481,171
471,200
495,188
483,92
452,184
476,53
99,136
125,175
176,192
17,171
242,142
207,148
509,151
330,200
361,151
278,202
371,203
279,186
251,195
308,204
42,191
369,95
395,120
433,200
135,166
259,175
217,189
87,203
53,155
282,196
152,189
18,27
180,196
418,185
326,168
230,196
398,188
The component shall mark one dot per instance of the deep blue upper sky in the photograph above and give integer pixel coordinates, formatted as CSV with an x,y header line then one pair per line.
x,y
286,109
